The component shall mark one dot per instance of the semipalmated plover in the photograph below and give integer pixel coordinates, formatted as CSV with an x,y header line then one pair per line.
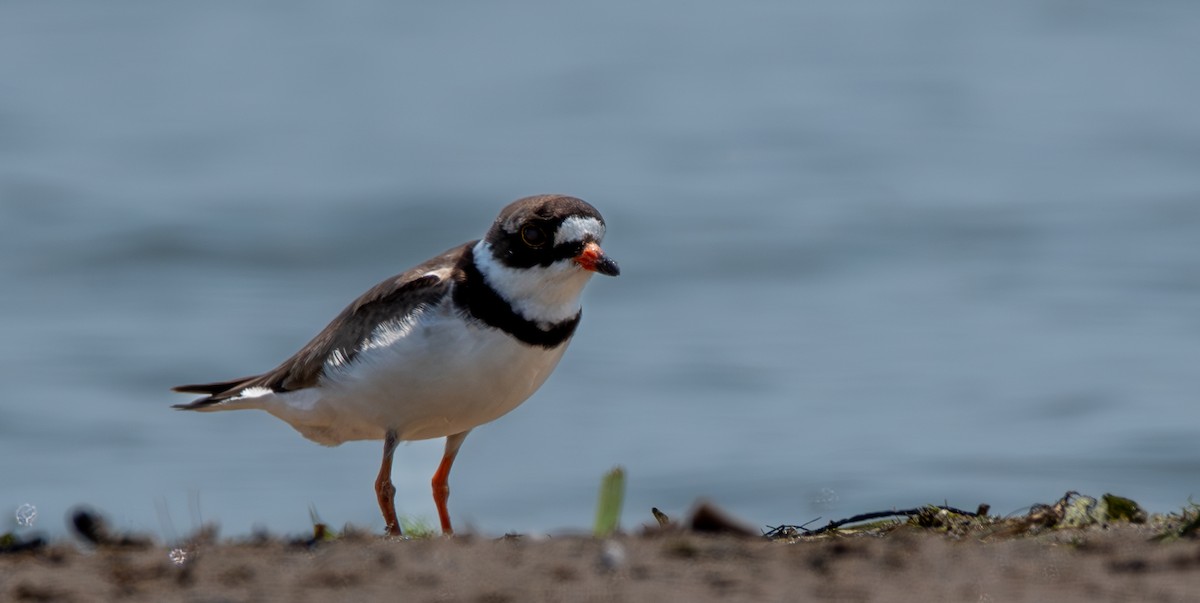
x,y
451,344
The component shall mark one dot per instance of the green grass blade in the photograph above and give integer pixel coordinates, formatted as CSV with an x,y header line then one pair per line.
x,y
612,496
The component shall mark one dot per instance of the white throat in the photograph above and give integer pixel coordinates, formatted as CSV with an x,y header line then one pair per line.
x,y
543,294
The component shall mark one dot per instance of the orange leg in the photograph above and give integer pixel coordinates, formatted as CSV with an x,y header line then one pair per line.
x,y
385,492
441,479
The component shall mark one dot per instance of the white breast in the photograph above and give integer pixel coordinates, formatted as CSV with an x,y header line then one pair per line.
x,y
429,376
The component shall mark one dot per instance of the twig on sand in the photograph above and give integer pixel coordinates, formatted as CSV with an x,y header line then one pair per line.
x,y
790,531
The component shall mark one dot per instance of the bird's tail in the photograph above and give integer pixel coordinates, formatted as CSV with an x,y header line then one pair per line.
x,y
215,393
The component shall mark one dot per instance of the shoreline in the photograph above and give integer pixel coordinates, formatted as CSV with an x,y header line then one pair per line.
x,y
1114,564
933,555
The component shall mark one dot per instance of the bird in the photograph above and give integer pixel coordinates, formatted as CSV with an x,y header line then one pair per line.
x,y
450,344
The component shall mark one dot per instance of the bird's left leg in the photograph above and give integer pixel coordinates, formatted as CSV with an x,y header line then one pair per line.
x,y
441,479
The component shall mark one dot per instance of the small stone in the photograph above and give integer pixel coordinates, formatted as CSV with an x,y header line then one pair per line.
x,y
612,556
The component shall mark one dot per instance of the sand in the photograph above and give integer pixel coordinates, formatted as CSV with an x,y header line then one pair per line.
x,y
1114,563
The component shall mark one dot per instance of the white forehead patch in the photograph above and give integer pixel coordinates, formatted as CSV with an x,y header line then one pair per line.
x,y
575,228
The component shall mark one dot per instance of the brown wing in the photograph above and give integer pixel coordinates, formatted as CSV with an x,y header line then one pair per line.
x,y
391,299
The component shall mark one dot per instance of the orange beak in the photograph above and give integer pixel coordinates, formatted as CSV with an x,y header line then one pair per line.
x,y
594,259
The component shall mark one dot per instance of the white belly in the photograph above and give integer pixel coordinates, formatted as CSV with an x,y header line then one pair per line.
x,y
432,378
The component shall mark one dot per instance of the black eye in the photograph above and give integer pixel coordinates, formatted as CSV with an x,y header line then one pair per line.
x,y
533,236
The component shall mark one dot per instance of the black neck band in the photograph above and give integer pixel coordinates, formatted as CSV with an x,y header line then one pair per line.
x,y
474,295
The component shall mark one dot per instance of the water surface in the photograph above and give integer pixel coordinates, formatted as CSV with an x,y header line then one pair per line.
x,y
873,255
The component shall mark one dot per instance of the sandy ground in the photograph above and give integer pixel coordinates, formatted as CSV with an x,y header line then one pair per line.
x,y
1101,564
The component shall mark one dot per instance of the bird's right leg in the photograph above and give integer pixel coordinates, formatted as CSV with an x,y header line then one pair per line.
x,y
385,492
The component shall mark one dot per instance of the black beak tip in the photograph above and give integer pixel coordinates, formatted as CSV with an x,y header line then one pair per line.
x,y
608,267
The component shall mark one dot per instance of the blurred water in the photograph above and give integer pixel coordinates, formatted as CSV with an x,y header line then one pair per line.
x,y
874,254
